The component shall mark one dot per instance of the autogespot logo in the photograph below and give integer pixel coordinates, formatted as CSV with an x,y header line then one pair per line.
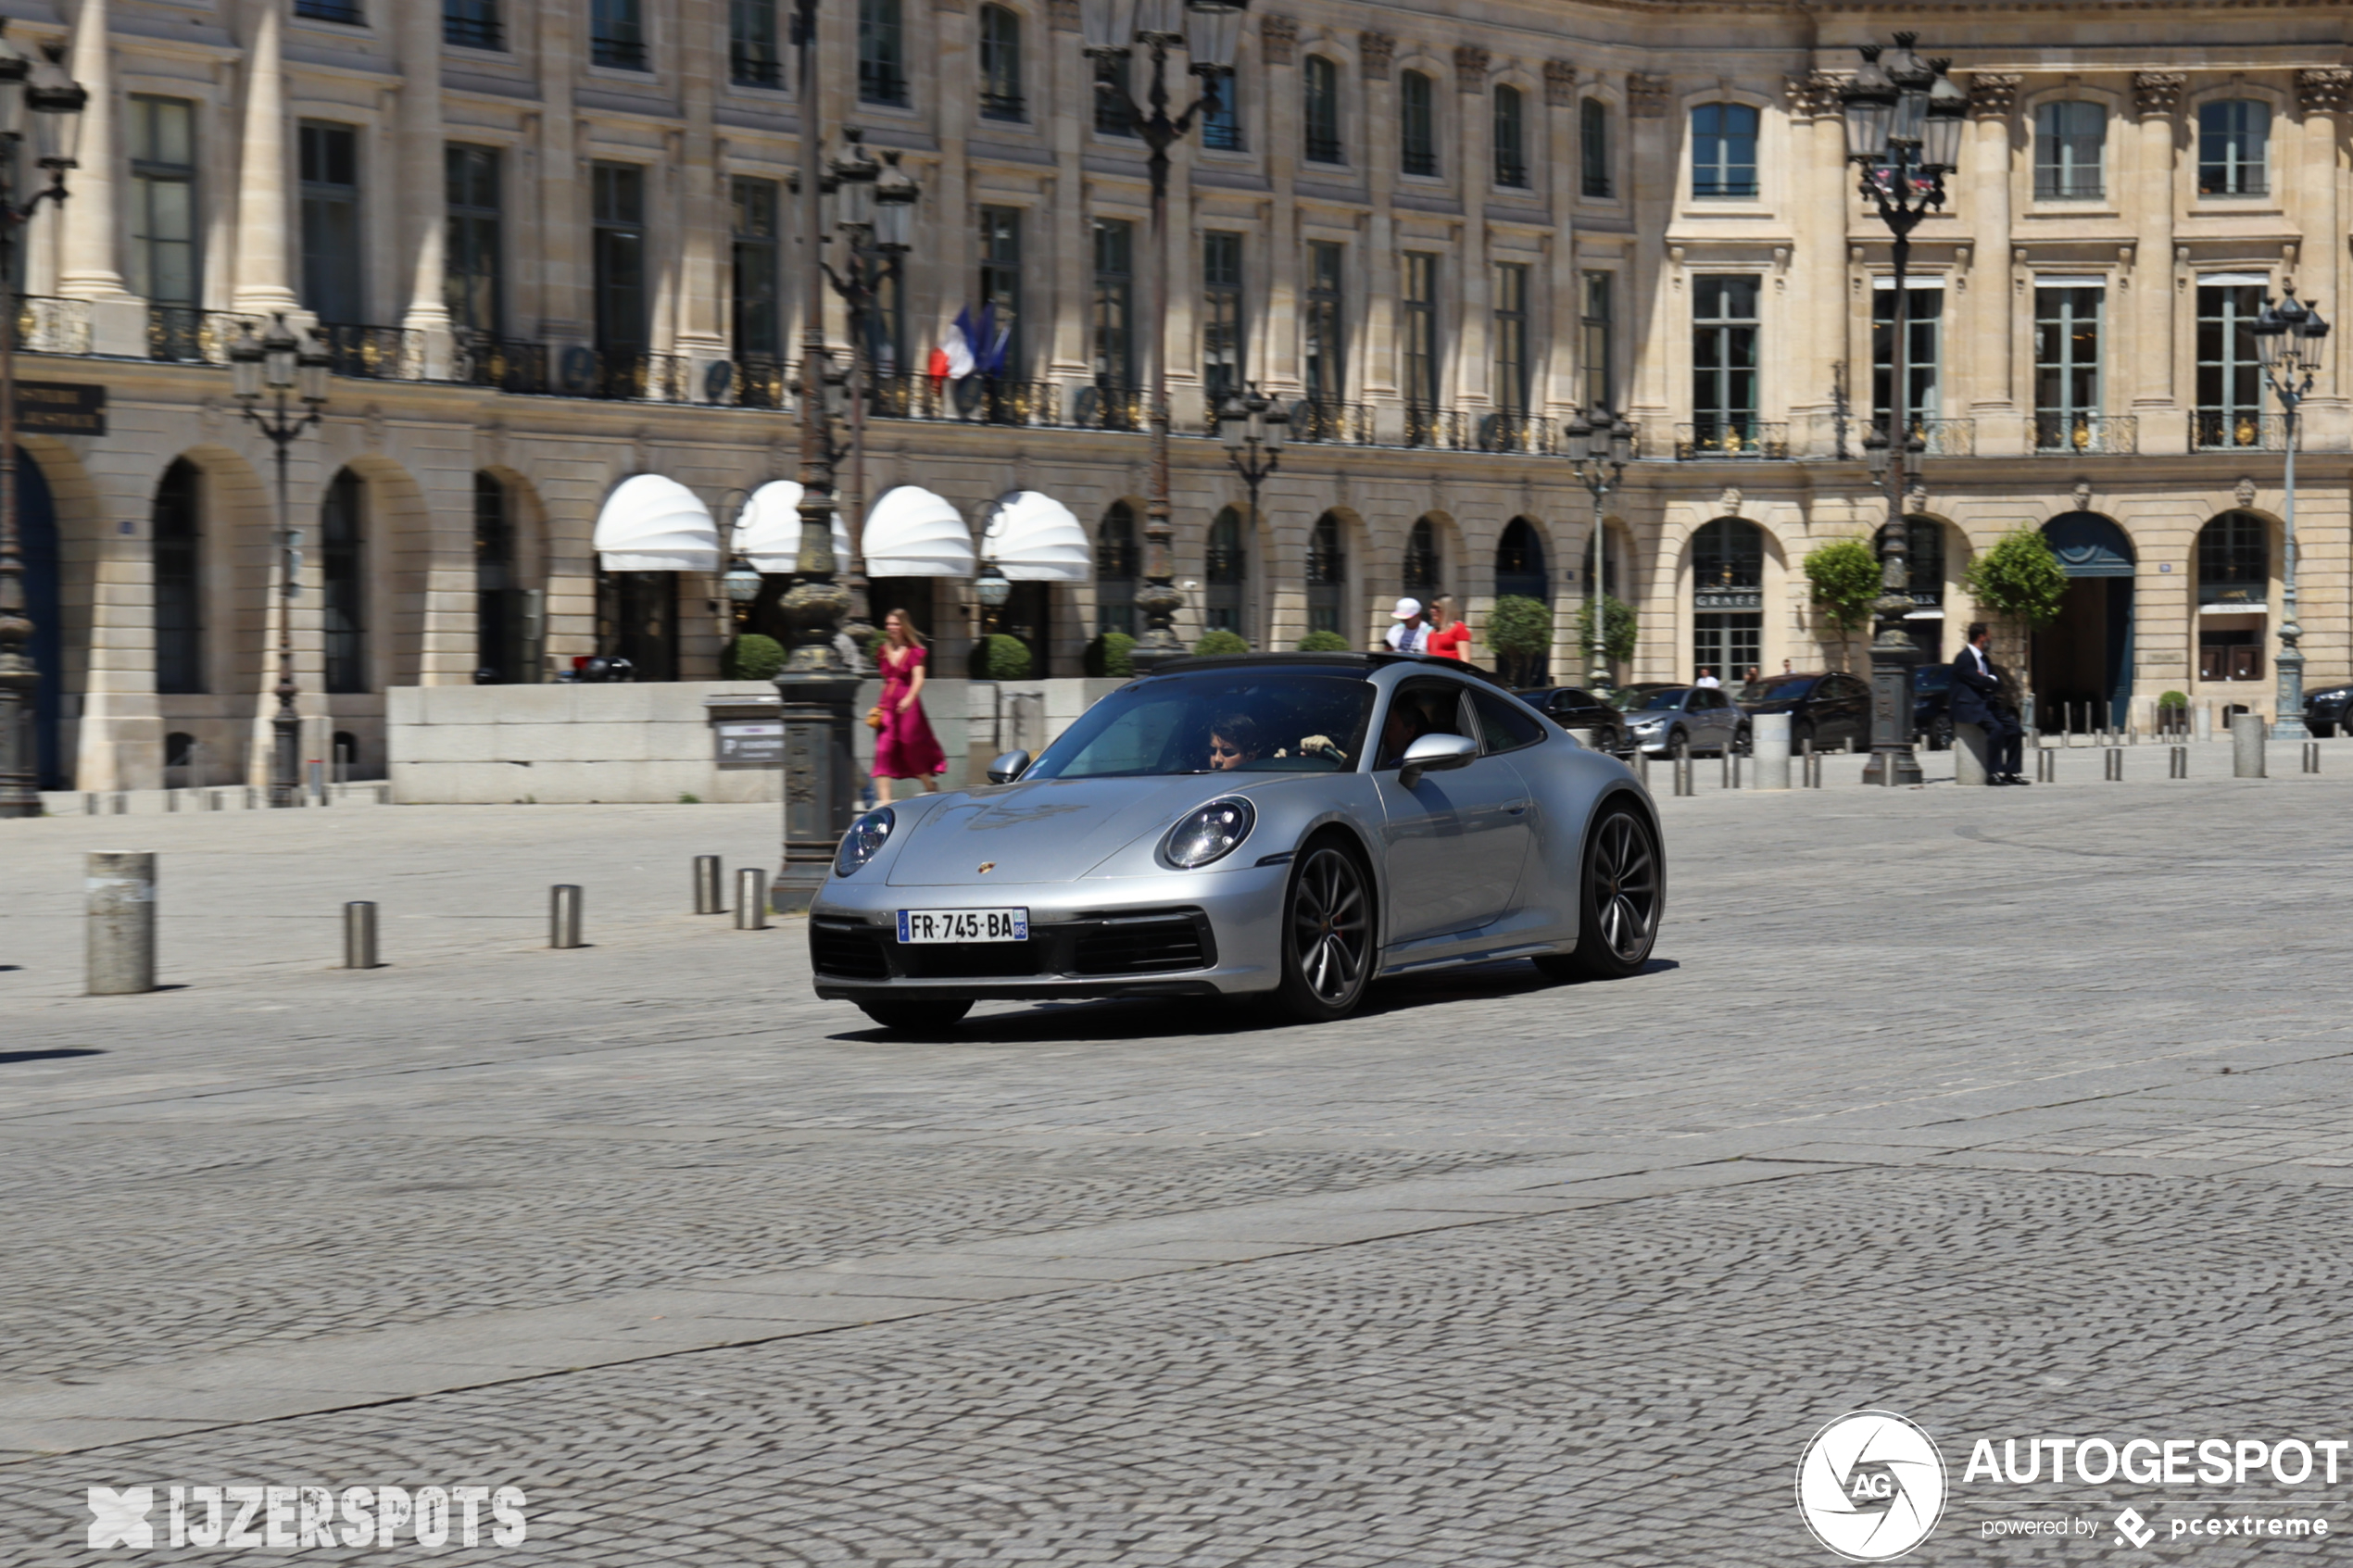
x,y
1871,1486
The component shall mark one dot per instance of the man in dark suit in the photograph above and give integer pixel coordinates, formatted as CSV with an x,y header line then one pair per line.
x,y
1978,699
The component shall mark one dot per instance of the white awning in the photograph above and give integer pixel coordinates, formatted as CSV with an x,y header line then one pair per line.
x,y
768,530
650,523
911,532
1035,539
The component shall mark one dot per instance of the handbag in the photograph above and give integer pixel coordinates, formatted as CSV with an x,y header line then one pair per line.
x,y
874,720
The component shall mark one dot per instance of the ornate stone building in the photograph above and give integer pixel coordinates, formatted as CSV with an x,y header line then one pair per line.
x,y
550,249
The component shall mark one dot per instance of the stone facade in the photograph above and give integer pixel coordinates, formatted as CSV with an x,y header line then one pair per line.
x,y
304,115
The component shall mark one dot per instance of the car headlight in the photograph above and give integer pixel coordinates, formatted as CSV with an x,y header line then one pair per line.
x,y
1209,834
864,840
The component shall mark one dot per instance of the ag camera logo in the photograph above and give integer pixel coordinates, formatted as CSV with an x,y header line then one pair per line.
x,y
1871,1486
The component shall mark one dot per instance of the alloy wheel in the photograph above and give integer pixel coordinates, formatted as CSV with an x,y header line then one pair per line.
x,y
1331,925
1625,896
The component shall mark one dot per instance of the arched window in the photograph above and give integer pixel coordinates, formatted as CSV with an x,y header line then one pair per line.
x,y
2233,139
1520,563
1416,123
1728,601
179,568
1423,567
1116,569
1593,147
1326,575
999,64
1511,136
882,53
2069,139
1229,574
343,572
1323,110
1723,150
1728,553
2235,561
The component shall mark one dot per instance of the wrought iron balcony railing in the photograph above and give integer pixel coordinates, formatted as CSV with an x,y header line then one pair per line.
x,y
1441,428
2237,430
1735,437
1107,406
1330,421
371,353
46,325
192,336
509,364
1517,432
2065,435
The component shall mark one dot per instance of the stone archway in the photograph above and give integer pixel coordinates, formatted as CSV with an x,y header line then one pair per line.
x,y
2082,663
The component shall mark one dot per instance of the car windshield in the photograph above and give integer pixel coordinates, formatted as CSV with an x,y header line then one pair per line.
x,y
1244,720
1933,678
1782,691
1672,698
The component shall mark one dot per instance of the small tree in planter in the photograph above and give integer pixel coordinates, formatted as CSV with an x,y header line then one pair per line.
x,y
1520,630
1000,656
2020,583
2173,712
1221,642
752,658
1620,630
1108,655
1847,575
1323,642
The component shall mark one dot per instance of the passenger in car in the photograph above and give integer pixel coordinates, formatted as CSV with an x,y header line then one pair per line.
x,y
1234,742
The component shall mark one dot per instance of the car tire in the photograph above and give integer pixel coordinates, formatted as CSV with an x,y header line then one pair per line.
x,y
1330,938
1675,741
917,1015
2321,730
1618,901
1801,738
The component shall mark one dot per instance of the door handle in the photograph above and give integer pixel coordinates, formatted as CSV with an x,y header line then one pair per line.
x,y
1515,811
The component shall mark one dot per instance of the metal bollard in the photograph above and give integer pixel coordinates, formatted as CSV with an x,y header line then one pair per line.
x,y
751,898
121,890
707,892
1736,770
1642,767
1683,768
2177,762
563,916
1724,761
2113,766
2046,765
360,936
2311,757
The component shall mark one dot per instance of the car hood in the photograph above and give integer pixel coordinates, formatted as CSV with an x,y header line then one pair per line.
x,y
1052,829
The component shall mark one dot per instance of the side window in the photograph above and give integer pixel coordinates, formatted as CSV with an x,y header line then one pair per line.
x,y
1503,724
1713,700
1420,707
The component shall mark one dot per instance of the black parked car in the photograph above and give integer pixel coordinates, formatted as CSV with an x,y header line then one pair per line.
x,y
1932,705
1573,708
2329,712
1824,707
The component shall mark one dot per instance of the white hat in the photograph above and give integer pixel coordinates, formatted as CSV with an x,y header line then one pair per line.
x,y
1406,610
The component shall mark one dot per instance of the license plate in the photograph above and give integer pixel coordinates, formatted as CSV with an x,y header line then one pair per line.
x,y
964,926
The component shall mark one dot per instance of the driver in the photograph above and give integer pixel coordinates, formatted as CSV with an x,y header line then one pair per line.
x,y
1234,742
1405,724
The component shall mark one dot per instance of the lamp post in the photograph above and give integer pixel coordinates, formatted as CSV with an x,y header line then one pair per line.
x,y
1208,30
1252,428
1601,447
1903,120
56,104
2288,341
284,364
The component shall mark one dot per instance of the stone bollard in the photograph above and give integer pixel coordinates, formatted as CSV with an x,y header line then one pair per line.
x,y
2246,745
121,890
1768,734
1973,755
2202,722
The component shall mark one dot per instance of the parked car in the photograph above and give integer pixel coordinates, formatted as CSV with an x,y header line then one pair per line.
x,y
1704,717
1824,707
1572,707
1285,826
1932,705
2329,712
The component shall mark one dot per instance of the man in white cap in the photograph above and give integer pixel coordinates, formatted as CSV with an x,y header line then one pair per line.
x,y
1408,631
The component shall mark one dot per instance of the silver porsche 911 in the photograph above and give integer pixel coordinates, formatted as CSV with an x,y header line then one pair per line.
x,y
1298,824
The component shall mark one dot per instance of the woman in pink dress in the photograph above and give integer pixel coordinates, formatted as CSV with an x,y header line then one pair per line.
x,y
904,746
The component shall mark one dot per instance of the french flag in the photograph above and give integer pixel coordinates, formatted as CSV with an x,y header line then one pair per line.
x,y
957,351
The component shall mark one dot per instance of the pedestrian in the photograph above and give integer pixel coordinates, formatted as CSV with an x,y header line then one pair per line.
x,y
904,746
1748,686
1408,632
1785,667
1448,638
1707,677
1978,698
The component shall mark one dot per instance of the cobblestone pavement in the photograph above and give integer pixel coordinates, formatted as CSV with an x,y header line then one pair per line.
x,y
2021,1112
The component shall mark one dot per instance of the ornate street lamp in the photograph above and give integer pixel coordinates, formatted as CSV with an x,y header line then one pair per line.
x,y
54,104
1601,446
1903,120
1252,428
2288,338
1208,30
286,365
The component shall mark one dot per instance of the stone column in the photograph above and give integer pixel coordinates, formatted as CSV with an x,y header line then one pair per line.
x,y
1654,297
264,261
2325,97
92,264
2150,199
701,252
1475,390
423,224
1988,376
1561,353
1377,370
1818,296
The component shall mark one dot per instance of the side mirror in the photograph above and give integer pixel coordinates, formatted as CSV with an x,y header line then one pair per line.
x,y
1008,767
1433,754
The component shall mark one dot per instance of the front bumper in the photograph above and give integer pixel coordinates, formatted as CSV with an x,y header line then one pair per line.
x,y
1205,932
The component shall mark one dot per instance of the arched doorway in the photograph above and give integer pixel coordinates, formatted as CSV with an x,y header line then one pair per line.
x,y
1424,566
1728,598
1223,601
1326,575
37,540
1115,571
2083,662
2233,596
1924,568
1520,573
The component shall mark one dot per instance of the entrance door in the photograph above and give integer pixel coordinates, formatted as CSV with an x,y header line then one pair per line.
x,y
37,536
2083,662
1456,839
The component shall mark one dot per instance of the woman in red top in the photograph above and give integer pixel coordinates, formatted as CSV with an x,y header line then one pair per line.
x,y
1448,638
904,746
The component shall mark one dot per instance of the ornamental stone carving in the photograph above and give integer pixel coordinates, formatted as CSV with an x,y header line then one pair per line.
x,y
2157,92
1993,94
1278,37
2325,90
1813,95
1560,83
1470,68
1645,95
1378,51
